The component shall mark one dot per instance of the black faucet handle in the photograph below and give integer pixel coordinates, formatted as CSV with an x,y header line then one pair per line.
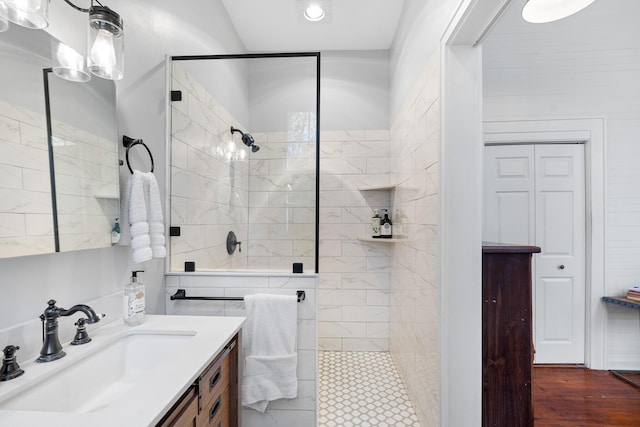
x,y
10,368
82,336
10,351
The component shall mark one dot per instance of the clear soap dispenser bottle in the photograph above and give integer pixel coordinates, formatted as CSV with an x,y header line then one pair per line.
x,y
134,305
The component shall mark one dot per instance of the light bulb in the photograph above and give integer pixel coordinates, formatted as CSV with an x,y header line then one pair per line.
x,y
103,53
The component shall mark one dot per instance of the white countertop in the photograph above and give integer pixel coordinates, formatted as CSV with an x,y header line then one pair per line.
x,y
146,402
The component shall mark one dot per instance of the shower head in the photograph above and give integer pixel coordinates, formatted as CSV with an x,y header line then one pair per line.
x,y
247,139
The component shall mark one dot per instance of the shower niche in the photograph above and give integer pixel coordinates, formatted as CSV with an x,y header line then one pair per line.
x,y
243,158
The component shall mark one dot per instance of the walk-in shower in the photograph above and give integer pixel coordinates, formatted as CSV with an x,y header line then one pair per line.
x,y
243,156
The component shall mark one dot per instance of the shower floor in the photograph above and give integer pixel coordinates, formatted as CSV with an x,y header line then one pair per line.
x,y
361,389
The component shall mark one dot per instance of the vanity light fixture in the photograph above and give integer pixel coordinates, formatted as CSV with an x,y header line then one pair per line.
x,y
28,13
105,39
4,22
542,11
314,13
67,63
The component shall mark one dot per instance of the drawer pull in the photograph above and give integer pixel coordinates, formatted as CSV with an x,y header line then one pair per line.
x,y
214,380
214,408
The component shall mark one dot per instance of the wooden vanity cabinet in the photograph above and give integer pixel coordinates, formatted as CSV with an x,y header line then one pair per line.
x,y
212,401
507,338
185,412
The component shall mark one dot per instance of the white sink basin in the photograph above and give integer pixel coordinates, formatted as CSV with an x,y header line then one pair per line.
x,y
100,377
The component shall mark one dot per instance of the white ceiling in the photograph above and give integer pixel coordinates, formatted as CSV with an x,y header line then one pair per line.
x,y
278,25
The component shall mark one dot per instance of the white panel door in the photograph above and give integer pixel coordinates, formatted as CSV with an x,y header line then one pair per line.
x,y
534,194
559,298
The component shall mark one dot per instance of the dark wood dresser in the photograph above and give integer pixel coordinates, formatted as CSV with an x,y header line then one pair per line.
x,y
507,338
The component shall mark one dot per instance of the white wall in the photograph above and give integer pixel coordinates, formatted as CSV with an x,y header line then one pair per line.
x,y
151,31
583,66
354,90
415,307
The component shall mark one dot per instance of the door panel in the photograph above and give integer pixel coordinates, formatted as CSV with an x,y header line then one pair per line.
x,y
509,194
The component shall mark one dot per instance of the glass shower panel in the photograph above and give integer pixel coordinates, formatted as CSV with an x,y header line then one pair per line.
x,y
257,179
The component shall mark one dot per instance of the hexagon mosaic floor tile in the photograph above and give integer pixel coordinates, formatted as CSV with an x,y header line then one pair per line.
x,y
361,389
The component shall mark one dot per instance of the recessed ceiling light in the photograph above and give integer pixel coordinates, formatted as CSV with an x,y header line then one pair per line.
x,y
314,13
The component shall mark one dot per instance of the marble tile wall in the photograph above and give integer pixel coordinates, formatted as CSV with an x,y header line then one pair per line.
x,y
209,179
26,226
87,189
86,185
414,278
300,411
353,294
282,200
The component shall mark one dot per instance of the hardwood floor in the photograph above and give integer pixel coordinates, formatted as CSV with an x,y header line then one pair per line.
x,y
578,397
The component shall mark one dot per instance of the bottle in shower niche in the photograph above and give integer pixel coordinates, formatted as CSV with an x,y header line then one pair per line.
x,y
386,226
115,232
375,224
134,304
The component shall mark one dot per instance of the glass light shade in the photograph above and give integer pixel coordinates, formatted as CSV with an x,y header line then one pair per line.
x,y
314,13
67,63
105,56
28,13
4,22
541,11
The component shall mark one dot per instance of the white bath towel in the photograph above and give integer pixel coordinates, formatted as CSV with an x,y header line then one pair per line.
x,y
154,216
137,218
270,350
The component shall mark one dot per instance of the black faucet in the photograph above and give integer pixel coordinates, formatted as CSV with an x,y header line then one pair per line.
x,y
51,348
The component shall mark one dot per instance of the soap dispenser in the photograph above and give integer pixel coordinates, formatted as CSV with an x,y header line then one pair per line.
x,y
134,306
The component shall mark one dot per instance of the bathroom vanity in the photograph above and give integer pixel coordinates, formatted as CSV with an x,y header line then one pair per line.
x,y
212,400
168,371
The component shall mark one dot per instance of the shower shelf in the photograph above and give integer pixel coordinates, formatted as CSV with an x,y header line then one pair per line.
x,y
385,187
381,240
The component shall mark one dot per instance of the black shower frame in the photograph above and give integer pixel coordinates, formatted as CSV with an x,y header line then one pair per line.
x,y
284,55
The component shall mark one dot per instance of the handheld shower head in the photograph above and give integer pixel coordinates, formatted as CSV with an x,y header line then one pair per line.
x,y
247,139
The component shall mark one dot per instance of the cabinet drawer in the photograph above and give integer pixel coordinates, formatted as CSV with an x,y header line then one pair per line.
x,y
216,378
216,413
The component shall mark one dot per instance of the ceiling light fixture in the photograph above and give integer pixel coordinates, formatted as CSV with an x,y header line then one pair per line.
x,y
542,11
314,13
105,40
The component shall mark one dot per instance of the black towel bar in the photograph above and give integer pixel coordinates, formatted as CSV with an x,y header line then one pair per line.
x,y
181,294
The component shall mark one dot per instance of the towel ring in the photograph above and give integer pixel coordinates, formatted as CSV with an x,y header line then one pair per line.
x,y
130,142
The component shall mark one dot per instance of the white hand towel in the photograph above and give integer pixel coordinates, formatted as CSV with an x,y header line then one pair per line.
x,y
137,217
154,216
270,350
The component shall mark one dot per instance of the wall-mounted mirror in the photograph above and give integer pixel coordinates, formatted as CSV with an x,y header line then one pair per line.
x,y
58,135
